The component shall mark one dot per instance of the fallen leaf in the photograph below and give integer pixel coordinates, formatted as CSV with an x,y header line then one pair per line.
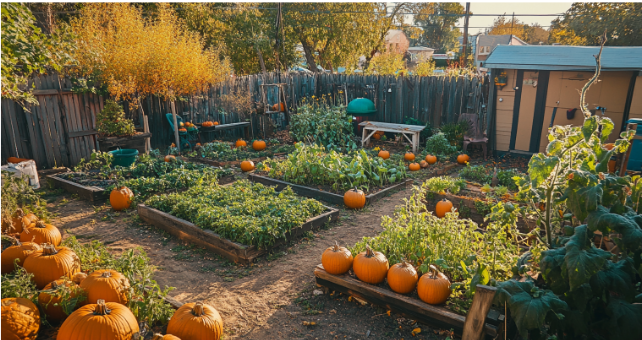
x,y
388,312
309,323
416,331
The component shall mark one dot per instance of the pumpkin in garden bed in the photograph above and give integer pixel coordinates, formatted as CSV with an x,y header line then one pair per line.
x,y
20,319
259,145
240,143
431,159
106,284
414,166
409,156
443,207
103,320
159,336
370,266
50,297
433,287
376,136
40,233
121,198
18,251
247,166
354,199
196,321
170,158
402,278
384,154
423,164
463,159
19,221
51,263
336,260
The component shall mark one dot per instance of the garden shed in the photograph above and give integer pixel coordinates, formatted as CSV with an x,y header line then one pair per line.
x,y
542,87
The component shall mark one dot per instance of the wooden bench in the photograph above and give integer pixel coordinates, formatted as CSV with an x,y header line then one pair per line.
x,y
412,130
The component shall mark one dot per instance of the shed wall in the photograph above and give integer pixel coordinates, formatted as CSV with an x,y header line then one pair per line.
x,y
636,103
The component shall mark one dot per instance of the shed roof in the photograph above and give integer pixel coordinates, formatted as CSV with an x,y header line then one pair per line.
x,y
420,48
546,57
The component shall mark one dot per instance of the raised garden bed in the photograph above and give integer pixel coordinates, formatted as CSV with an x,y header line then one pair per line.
x,y
136,141
223,154
406,305
224,164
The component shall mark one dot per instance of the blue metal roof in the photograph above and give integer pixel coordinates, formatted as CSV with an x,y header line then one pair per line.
x,y
547,57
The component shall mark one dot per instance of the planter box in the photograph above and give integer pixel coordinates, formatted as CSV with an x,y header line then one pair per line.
x,y
324,195
239,253
412,308
136,141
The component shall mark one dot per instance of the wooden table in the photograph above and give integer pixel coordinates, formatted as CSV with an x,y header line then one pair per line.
x,y
241,125
405,130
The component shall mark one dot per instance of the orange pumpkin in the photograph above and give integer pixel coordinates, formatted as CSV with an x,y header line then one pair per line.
x,y
19,251
20,319
182,130
78,278
19,221
433,288
240,143
159,336
16,160
384,154
196,321
50,298
463,159
354,199
402,278
423,164
40,233
215,123
376,136
370,266
51,263
106,284
444,206
414,166
121,198
278,107
259,145
431,159
336,260
409,156
208,124
170,158
247,166
105,320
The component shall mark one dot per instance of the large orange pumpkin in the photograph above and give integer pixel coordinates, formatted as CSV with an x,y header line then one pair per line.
x,y
384,154
50,298
170,158
336,260
431,159
20,319
414,166
376,136
78,278
259,145
19,221
19,251
409,156
159,336
104,320
370,266
433,287
106,284
121,198
278,107
51,263
196,321
444,206
354,199
463,159
240,142
247,166
423,164
40,233
402,278
208,124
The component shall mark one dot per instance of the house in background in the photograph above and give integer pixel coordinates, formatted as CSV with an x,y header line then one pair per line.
x,y
396,41
543,88
420,53
485,44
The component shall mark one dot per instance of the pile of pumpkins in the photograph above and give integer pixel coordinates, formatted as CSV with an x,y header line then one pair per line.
x,y
257,145
104,312
372,267
209,123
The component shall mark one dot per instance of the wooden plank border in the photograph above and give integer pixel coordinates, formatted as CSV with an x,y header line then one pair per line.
x,y
239,253
324,195
412,308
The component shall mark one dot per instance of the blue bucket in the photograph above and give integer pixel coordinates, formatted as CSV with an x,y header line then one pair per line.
x,y
124,157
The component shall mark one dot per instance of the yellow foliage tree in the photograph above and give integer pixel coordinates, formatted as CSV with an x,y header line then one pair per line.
x,y
388,63
137,57
425,68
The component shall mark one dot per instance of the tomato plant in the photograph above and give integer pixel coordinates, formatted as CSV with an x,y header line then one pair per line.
x,y
225,152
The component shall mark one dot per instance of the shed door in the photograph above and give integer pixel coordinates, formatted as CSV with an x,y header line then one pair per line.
x,y
524,110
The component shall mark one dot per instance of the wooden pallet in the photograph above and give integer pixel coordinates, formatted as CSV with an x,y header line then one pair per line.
x,y
239,253
324,195
436,316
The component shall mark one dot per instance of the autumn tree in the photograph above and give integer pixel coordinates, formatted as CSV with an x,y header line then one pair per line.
x,y
531,34
387,63
437,21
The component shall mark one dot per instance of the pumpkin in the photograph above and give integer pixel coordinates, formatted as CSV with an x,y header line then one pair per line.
x,y
384,154
196,321
215,123
414,166
159,336
16,160
376,136
121,198
433,287
431,159
51,263
409,156
336,260
444,206
40,232
170,158
463,159
49,298
103,320
19,221
78,278
182,130
278,107
370,266
423,164
402,278
354,199
20,319
18,251
106,284
247,166
259,145
208,124
240,143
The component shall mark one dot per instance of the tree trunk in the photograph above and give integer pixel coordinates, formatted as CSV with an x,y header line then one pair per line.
x,y
309,56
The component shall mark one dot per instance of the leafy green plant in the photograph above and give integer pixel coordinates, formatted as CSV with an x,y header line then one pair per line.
x,y
17,193
425,133
483,207
507,177
444,184
477,173
224,152
454,132
97,161
501,190
323,124
439,146
111,121
19,284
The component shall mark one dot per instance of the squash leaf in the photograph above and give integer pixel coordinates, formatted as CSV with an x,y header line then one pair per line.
x,y
617,277
624,320
582,259
540,168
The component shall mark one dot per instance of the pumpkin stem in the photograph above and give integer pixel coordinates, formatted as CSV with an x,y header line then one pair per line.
x,y
101,308
369,252
434,271
198,309
106,274
158,336
49,249
336,246
20,213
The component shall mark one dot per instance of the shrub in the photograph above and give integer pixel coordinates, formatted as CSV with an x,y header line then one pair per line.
x,y
326,125
425,133
111,121
438,145
454,132
477,173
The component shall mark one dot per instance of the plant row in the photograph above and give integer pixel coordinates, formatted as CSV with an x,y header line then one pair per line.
x,y
222,151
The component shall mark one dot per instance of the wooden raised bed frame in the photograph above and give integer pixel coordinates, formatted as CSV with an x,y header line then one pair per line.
x,y
324,195
411,308
239,253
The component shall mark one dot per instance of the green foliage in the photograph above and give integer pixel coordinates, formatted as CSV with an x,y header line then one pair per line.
x,y
438,30
444,184
483,207
19,284
111,121
224,152
313,165
454,133
250,214
17,193
439,146
325,125
70,296
477,173
425,133
98,161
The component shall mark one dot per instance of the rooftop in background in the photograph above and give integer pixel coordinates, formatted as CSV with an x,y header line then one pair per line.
x,y
494,40
420,49
576,58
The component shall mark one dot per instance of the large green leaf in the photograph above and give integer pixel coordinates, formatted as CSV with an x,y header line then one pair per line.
x,y
583,199
551,266
625,320
540,168
582,259
607,128
606,222
590,125
616,277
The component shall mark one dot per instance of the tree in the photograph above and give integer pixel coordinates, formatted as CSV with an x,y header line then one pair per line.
x,y
535,34
438,29
388,63
531,34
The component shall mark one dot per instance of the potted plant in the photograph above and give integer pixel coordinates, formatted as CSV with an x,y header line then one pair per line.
x,y
116,130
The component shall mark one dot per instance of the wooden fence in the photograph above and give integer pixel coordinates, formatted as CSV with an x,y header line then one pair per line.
x,y
61,130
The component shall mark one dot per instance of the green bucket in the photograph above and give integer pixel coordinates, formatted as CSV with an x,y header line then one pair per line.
x,y
124,157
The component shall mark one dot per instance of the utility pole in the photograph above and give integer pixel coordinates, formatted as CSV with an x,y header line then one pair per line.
x,y
466,34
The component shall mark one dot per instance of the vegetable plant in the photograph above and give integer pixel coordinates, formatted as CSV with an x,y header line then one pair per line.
x,y
224,152
111,121
323,124
439,146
